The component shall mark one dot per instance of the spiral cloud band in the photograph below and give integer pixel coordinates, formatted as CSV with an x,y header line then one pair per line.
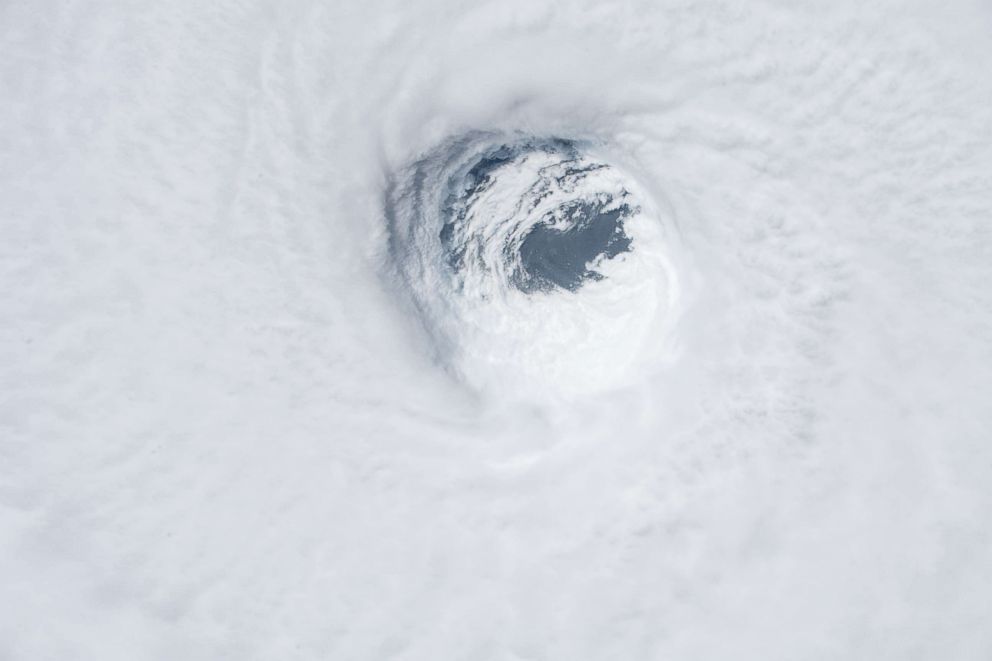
x,y
538,267
504,330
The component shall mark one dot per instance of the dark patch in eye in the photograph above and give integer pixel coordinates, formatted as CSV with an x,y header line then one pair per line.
x,y
552,257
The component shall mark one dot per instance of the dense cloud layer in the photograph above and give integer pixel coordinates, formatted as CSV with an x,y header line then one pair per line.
x,y
245,414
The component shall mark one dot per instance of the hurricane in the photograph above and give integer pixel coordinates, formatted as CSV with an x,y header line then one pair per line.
x,y
505,330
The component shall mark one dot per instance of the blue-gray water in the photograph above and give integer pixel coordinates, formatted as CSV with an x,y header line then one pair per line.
x,y
550,257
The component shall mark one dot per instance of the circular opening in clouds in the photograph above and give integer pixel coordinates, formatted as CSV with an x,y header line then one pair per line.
x,y
540,268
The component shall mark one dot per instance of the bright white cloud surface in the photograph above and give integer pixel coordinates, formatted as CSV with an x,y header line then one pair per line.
x,y
226,433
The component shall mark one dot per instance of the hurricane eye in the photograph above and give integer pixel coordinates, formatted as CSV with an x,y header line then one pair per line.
x,y
534,262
